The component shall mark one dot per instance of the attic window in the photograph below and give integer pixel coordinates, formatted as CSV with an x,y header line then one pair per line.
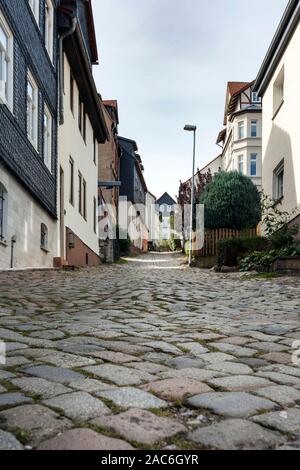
x,y
255,97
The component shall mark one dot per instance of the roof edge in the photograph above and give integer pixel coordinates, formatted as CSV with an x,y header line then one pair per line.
x,y
280,41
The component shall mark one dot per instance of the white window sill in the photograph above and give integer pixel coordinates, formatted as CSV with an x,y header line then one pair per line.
x,y
45,250
3,243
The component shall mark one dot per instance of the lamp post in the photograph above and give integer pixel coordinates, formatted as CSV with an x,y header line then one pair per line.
x,y
193,129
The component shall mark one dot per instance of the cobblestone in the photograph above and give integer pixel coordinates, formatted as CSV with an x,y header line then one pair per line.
x,y
83,346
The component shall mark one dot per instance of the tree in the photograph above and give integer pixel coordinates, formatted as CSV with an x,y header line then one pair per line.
x,y
231,201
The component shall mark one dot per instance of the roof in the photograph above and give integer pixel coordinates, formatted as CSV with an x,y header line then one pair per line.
x,y
112,104
90,24
166,199
91,31
234,89
221,136
129,141
283,35
149,192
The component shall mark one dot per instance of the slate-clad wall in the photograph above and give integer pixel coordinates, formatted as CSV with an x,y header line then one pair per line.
x,y
16,152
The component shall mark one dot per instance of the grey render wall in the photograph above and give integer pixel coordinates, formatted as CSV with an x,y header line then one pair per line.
x,y
16,152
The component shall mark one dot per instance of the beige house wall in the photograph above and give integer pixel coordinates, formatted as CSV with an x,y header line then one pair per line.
x,y
71,144
281,132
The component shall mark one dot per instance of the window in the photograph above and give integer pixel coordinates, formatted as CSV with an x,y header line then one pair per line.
x,y
44,237
3,213
72,93
80,113
278,91
253,164
48,138
241,164
84,198
95,215
84,125
80,193
253,128
255,97
32,111
71,181
49,18
95,150
279,181
6,64
82,118
241,130
35,7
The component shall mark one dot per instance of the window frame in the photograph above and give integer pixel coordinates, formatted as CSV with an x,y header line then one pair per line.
x,y
252,155
95,215
35,8
95,150
84,194
48,160
278,187
254,122
34,110
241,161
72,181
49,29
80,178
241,127
255,98
278,91
44,237
7,97
72,89
3,213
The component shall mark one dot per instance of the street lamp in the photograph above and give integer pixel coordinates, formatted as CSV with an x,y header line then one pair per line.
x,y
193,129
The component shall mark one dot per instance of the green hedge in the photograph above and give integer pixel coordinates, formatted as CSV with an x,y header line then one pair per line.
x,y
231,250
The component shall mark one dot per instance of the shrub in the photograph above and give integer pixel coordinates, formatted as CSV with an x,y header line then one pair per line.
x,y
232,201
233,249
285,237
125,246
262,261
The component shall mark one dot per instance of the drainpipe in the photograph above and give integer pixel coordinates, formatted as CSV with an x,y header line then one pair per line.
x,y
13,241
61,66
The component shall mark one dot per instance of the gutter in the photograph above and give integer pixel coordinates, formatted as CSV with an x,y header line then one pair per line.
x,y
278,46
61,65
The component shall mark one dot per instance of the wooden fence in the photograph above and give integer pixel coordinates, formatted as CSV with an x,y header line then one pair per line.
x,y
212,237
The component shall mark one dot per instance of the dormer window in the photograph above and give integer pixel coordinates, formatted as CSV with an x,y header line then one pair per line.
x,y
255,97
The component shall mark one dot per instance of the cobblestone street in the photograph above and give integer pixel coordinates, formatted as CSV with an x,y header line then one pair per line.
x,y
149,354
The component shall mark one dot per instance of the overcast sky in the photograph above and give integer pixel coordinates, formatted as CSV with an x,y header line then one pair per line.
x,y
167,63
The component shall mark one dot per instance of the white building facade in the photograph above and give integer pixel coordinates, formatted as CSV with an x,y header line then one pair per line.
x,y
81,131
278,85
241,140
